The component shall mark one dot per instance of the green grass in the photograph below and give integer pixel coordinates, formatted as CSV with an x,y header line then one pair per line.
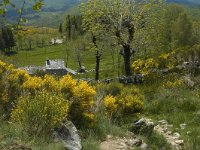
x,y
177,106
66,51
13,136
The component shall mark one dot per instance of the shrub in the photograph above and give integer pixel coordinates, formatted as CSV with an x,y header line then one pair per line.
x,y
167,60
11,86
40,113
130,101
32,84
145,67
113,89
173,81
50,83
14,83
110,104
67,85
82,104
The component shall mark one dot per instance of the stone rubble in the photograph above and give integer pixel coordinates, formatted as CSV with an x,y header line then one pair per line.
x,y
172,138
126,143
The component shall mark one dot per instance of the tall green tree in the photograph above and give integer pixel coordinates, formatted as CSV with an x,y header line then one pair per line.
x,y
5,37
68,26
182,31
120,18
8,38
12,41
60,28
2,43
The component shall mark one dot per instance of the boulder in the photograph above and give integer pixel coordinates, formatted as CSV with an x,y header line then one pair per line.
x,y
143,126
68,134
183,126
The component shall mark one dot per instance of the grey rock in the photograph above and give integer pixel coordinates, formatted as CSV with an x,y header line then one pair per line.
x,y
68,134
180,142
143,126
189,132
144,146
170,126
140,122
163,122
183,126
176,135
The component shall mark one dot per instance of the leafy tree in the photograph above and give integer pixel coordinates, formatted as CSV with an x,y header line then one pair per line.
x,y
8,38
60,29
74,26
182,31
120,18
5,37
12,42
69,26
2,43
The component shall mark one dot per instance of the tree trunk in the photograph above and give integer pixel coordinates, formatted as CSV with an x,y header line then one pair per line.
x,y
127,60
98,58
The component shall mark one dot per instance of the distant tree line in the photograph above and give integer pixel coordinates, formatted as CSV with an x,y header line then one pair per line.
x,y
7,39
72,26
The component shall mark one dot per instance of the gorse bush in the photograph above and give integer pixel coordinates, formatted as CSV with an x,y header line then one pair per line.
x,y
40,113
82,104
130,101
110,104
11,81
24,91
127,101
113,89
167,60
145,67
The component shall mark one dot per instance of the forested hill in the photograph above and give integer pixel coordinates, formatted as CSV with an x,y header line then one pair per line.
x,y
189,2
53,12
50,5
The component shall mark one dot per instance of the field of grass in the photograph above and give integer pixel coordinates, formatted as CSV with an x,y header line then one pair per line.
x,y
66,52
177,106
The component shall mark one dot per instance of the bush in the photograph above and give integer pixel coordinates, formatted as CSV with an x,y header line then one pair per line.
x,y
145,67
40,113
82,104
15,83
113,89
128,101
11,81
110,104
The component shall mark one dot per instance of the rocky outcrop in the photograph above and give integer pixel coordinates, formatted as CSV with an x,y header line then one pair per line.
x,y
68,134
142,126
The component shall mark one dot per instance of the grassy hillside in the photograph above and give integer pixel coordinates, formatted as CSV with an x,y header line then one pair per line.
x,y
66,52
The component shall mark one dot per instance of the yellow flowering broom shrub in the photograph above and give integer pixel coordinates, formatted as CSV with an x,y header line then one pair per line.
x,y
173,83
167,60
67,85
128,101
33,84
15,82
145,67
11,80
40,113
50,83
110,104
82,104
